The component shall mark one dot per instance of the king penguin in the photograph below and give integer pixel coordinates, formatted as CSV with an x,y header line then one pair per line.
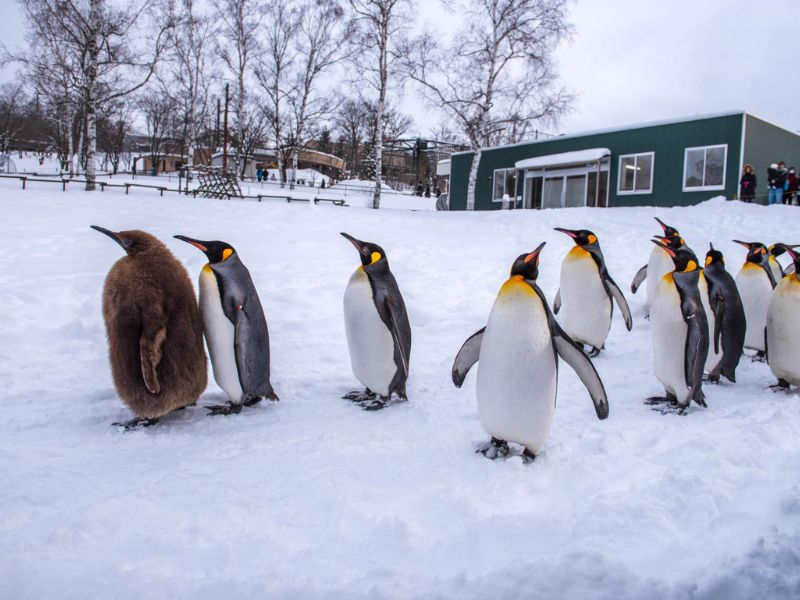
x,y
730,323
235,327
778,271
783,326
660,264
155,336
587,292
755,282
377,328
680,332
518,371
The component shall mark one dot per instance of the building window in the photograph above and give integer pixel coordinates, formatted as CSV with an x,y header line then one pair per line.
x,y
704,168
505,182
636,173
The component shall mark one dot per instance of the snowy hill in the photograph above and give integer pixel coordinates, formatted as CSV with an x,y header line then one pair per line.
x,y
312,497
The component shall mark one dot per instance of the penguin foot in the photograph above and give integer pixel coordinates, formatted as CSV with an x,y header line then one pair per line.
x,y
781,386
377,403
712,378
252,400
494,448
595,351
229,408
528,457
759,357
357,396
136,423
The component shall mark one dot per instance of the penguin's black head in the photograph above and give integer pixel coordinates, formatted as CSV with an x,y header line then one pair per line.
x,y
777,249
674,242
668,231
215,251
582,237
133,241
793,254
756,251
713,256
683,258
527,264
372,256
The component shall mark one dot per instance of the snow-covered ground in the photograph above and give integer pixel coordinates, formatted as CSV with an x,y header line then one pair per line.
x,y
312,497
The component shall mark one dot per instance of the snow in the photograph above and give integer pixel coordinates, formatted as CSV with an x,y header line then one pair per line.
x,y
312,497
563,158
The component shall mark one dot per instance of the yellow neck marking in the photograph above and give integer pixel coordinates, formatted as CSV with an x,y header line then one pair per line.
x,y
226,254
577,253
592,239
690,266
516,283
376,256
207,269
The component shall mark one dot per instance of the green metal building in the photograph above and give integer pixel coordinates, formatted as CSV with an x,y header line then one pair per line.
x,y
666,163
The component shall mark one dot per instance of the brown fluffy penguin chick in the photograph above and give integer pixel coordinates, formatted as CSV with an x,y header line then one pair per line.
x,y
155,335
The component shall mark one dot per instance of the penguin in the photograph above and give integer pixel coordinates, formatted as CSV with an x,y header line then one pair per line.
x,y
774,251
755,282
730,322
588,291
518,372
680,332
155,336
377,328
660,264
783,326
235,327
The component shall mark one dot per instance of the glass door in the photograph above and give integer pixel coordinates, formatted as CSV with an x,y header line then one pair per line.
x,y
553,192
533,192
575,191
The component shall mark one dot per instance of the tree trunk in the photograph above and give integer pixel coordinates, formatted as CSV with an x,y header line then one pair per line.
x,y
473,179
91,98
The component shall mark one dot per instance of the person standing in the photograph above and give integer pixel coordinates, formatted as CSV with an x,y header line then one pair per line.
x,y
747,184
776,182
791,186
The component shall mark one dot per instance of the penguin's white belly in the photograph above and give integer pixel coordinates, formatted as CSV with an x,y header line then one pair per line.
x,y
660,264
517,377
755,291
220,336
585,305
369,340
669,332
713,357
783,330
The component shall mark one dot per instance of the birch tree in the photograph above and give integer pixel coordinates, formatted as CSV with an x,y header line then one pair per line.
x,y
377,24
97,49
498,75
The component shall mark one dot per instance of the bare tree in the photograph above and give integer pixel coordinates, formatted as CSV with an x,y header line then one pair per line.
x,y
113,128
93,45
158,110
12,107
376,25
498,75
188,70
251,134
351,124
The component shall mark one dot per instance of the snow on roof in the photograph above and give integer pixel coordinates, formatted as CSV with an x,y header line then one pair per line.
x,y
617,129
443,168
563,158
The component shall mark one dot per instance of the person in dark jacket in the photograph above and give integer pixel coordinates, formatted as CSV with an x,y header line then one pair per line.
x,y
791,186
747,184
776,176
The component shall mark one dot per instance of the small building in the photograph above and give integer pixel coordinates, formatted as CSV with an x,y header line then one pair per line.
x,y
267,158
667,163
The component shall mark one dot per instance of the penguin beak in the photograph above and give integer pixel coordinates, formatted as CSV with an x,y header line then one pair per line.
x,y
663,225
535,254
357,243
569,232
659,241
113,235
745,244
710,247
200,245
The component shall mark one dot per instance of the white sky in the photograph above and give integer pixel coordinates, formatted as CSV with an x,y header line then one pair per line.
x,y
643,60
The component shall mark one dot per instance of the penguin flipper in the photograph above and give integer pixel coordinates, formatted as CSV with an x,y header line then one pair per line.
x,y
250,360
640,276
718,307
576,358
619,297
393,313
154,333
770,276
468,355
557,302
696,350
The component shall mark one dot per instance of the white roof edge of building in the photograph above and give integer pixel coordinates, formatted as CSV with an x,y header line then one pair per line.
x,y
563,158
643,125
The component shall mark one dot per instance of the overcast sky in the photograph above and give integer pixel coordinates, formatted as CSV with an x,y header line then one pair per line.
x,y
643,60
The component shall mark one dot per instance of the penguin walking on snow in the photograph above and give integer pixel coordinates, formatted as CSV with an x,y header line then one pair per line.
x,y
155,337
235,328
660,264
587,293
518,371
755,282
730,322
783,326
377,328
680,332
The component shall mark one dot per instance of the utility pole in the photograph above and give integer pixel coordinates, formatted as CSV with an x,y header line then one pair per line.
x,y
225,132
216,129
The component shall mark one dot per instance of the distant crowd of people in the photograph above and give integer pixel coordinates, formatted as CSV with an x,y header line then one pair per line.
x,y
782,184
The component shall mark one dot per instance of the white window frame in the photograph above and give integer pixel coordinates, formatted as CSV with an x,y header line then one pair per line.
x,y
634,191
705,188
494,183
